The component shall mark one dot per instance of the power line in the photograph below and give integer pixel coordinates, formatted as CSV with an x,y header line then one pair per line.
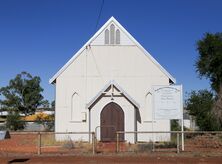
x,y
100,12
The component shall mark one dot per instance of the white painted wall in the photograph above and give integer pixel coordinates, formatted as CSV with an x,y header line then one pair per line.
x,y
92,70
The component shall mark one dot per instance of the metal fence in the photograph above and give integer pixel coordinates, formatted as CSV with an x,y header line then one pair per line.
x,y
47,143
196,142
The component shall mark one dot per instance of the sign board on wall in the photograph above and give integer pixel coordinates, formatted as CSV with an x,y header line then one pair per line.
x,y
167,101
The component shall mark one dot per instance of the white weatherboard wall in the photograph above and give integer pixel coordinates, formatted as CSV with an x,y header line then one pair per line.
x,y
92,69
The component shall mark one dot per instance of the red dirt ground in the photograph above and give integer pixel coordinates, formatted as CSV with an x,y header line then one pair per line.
x,y
23,149
109,159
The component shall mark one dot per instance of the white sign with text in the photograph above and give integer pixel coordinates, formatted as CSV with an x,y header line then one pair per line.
x,y
167,102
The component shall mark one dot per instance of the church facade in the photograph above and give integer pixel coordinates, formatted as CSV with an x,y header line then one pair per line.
x,y
107,86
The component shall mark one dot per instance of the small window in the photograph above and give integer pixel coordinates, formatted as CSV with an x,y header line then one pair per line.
x,y
107,36
117,36
112,33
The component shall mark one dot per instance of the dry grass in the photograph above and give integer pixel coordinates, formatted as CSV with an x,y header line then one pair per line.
x,y
67,143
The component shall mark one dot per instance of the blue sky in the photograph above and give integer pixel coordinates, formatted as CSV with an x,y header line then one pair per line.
x,y
40,36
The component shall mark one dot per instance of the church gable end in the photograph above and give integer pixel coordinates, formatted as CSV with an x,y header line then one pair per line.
x,y
112,33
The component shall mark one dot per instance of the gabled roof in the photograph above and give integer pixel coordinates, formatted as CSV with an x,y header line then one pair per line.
x,y
102,92
112,19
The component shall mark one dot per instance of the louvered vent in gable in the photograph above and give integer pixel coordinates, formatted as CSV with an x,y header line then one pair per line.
x,y
106,36
112,34
117,36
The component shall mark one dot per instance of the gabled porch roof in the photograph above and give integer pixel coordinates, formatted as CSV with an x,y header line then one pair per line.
x,y
106,88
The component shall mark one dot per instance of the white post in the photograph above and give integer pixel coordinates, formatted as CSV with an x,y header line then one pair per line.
x,y
153,147
182,122
153,137
86,54
182,136
178,143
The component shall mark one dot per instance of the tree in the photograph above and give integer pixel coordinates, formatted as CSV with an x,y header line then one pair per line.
x,y
23,94
53,105
46,120
209,65
210,58
45,104
200,104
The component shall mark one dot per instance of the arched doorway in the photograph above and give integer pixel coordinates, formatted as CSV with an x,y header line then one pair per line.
x,y
111,120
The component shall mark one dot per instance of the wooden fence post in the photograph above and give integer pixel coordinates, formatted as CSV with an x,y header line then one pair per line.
x,y
93,143
39,143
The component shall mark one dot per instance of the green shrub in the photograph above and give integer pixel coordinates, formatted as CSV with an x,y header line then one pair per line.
x,y
175,125
14,122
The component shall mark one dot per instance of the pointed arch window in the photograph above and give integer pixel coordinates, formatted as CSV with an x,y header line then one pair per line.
x,y
148,107
117,36
112,34
75,107
107,36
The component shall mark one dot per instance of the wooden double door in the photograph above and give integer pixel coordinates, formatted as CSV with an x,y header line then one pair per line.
x,y
111,120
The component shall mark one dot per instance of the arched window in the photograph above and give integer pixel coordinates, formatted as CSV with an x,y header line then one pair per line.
x,y
112,34
107,36
117,36
148,107
75,107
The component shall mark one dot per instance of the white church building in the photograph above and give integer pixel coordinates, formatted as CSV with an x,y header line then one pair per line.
x,y
107,86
